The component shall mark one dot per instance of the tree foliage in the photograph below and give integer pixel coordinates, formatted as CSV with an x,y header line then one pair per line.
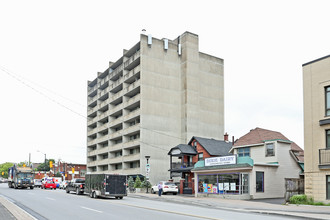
x,y
4,168
45,167
137,183
130,182
146,183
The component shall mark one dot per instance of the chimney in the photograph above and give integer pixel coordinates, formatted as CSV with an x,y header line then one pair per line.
x,y
225,137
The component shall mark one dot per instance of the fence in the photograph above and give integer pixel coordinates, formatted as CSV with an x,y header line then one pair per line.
x,y
293,186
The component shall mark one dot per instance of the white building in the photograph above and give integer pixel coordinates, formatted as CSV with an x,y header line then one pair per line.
x,y
261,161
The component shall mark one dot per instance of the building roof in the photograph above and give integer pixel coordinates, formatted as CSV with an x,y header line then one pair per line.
x,y
313,61
212,146
260,135
185,149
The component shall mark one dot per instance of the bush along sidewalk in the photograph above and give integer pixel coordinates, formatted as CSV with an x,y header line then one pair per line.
x,y
304,200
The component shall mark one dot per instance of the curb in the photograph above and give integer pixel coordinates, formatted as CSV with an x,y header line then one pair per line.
x,y
16,211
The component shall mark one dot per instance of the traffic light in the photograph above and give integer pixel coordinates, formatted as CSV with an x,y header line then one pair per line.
x,y
51,164
72,170
3,173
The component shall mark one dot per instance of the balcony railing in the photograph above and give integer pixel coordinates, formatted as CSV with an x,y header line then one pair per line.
x,y
324,156
179,165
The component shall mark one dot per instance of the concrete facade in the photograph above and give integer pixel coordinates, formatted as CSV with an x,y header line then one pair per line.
x,y
157,95
316,79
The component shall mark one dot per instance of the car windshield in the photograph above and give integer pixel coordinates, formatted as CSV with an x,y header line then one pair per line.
x,y
25,175
80,181
50,182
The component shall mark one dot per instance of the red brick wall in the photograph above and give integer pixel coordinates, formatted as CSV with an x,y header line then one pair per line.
x,y
200,149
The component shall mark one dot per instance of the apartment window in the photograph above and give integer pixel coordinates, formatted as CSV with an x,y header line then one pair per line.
x,y
200,156
118,154
118,166
270,150
260,182
243,152
328,139
327,101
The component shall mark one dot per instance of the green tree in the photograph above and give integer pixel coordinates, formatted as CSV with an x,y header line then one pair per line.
x,y
137,183
4,168
130,182
45,167
21,164
146,183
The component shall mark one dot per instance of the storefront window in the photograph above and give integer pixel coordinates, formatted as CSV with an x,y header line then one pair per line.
x,y
208,184
245,183
222,184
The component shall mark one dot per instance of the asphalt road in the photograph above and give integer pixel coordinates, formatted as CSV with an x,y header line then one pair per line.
x,y
57,204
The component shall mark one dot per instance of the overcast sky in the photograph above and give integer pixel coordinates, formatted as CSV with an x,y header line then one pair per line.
x,y
49,50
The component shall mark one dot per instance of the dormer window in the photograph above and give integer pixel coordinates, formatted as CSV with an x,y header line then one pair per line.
x,y
195,144
270,150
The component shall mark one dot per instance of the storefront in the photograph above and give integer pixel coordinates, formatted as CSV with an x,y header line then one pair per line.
x,y
227,177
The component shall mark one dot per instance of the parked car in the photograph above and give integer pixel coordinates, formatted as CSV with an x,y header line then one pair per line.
x,y
48,185
63,184
168,187
76,185
37,183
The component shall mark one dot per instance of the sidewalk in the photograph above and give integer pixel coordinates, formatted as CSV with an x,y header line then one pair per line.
x,y
300,211
10,211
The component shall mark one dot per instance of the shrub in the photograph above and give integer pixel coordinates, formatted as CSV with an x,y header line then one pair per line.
x,y
298,199
137,183
146,184
130,182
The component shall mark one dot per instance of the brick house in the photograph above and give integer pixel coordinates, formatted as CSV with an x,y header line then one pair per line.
x,y
187,155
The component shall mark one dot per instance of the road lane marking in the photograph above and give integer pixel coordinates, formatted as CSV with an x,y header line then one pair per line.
x,y
91,209
168,211
50,198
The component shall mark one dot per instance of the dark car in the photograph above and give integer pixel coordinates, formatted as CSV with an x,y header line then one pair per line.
x,y
76,185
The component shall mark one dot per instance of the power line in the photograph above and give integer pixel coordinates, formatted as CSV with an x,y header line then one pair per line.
x,y
30,81
41,93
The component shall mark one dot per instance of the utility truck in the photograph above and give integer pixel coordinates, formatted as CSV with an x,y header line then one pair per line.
x,y
20,177
106,185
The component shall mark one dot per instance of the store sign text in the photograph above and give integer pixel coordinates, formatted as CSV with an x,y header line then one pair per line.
x,y
216,161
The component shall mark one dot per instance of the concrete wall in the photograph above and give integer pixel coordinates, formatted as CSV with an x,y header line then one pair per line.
x,y
316,76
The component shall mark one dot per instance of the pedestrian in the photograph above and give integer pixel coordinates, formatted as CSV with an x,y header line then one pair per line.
x,y
160,189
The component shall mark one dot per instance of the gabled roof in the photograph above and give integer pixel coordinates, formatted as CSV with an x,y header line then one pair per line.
x,y
212,146
260,135
184,149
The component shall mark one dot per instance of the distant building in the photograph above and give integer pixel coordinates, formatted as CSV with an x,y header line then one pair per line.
x,y
316,84
257,168
157,95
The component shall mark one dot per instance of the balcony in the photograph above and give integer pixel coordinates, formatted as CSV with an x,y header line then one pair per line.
x,y
133,61
324,158
179,166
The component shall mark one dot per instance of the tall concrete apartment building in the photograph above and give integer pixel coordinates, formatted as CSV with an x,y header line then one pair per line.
x,y
316,82
159,94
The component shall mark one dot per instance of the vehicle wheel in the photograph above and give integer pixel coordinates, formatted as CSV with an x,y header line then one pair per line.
x,y
55,189
116,197
77,191
94,195
15,186
31,187
67,191
174,193
120,197
153,191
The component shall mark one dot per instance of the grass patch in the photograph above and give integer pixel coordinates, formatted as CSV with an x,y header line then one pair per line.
x,y
304,200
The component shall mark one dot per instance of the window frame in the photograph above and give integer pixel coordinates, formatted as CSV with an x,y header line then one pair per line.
x,y
326,95
327,186
263,181
244,152
266,149
327,139
200,158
